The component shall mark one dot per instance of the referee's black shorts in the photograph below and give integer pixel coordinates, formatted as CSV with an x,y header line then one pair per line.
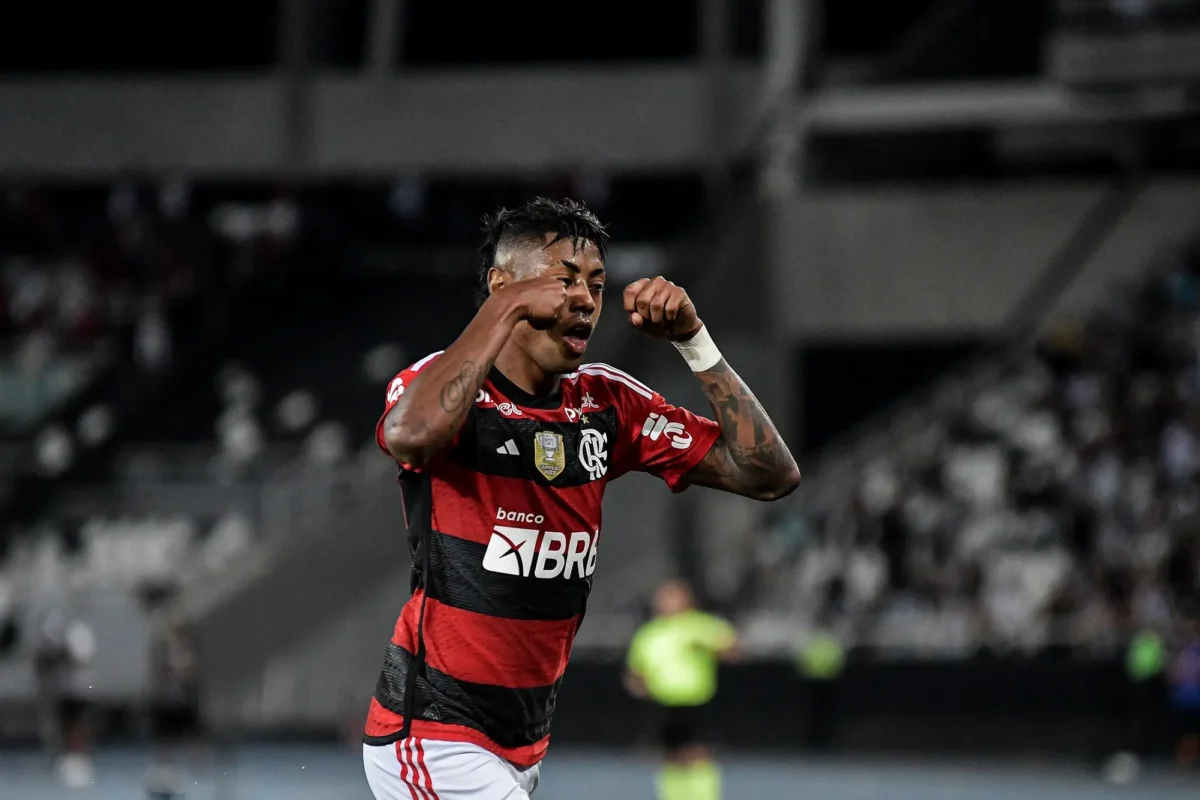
x,y
683,726
175,722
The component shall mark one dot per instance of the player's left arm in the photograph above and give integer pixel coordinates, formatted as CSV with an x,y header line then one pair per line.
x,y
749,457
632,678
723,639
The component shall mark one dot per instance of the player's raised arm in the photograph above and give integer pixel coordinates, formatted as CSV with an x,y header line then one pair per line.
x,y
432,408
749,457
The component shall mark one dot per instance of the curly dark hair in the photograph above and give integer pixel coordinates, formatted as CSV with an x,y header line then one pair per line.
x,y
565,218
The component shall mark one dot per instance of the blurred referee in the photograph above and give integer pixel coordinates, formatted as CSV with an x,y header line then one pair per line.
x,y
673,662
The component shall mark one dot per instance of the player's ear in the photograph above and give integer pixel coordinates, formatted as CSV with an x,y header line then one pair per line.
x,y
497,279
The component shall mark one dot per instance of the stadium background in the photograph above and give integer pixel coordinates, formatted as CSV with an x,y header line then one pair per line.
x,y
949,243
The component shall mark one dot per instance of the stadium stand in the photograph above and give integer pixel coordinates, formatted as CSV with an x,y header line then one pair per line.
x,y
1046,499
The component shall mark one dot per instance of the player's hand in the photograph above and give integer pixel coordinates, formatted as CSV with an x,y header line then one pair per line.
x,y
541,300
660,309
635,684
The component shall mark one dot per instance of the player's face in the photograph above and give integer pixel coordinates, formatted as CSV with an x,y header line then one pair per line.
x,y
560,349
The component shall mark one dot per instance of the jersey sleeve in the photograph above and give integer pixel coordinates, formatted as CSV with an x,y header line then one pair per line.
x,y
659,438
714,633
395,390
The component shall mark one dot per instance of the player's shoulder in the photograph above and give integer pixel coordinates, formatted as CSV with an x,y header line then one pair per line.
x,y
705,618
420,364
397,384
608,381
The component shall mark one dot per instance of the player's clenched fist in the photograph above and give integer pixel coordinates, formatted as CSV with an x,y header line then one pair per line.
x,y
660,309
541,300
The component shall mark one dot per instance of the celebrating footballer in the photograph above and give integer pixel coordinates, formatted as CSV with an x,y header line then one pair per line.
x,y
505,443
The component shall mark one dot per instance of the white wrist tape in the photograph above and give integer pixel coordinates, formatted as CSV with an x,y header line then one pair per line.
x,y
700,352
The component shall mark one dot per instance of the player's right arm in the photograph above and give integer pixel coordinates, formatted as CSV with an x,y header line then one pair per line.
x,y
432,408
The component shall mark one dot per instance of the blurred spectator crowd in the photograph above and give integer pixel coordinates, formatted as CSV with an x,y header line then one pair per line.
x,y
1057,506
135,264
113,271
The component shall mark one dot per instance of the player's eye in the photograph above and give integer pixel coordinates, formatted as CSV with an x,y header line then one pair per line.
x,y
597,288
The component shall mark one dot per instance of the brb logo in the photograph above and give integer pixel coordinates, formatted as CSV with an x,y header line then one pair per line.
x,y
530,552
657,425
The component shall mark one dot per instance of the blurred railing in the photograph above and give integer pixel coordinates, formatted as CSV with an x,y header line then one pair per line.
x,y
279,491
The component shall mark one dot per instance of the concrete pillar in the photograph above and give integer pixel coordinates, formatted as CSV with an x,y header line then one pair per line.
x,y
384,37
786,38
295,59
714,48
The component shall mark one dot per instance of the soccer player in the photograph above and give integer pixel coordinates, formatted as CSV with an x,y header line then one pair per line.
x,y
505,443
673,662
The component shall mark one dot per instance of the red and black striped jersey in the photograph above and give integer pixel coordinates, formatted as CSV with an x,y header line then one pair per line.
x,y
504,528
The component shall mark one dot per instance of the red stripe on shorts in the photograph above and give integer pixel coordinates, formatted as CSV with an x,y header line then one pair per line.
x,y
418,777
404,769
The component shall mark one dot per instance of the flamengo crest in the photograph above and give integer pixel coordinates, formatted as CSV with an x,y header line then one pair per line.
x,y
593,453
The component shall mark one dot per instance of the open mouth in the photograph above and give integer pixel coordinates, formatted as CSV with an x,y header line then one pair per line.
x,y
576,337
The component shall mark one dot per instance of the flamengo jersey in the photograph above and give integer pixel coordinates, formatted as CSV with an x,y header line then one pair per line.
x,y
504,527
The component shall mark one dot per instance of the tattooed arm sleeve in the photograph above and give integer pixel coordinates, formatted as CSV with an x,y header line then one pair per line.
x,y
749,457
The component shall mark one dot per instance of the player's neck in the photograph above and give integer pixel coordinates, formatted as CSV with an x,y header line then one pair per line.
x,y
516,365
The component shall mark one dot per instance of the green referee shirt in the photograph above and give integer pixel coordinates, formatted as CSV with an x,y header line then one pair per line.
x,y
676,656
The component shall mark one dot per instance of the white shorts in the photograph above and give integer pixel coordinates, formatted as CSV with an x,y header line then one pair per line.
x,y
428,769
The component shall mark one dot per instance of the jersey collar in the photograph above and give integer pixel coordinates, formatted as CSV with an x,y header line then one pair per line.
x,y
520,396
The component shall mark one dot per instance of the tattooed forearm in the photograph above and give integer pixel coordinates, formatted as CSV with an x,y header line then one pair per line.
x,y
750,458
419,425
458,392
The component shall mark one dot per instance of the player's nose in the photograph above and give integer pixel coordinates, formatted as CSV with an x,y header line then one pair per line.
x,y
581,300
